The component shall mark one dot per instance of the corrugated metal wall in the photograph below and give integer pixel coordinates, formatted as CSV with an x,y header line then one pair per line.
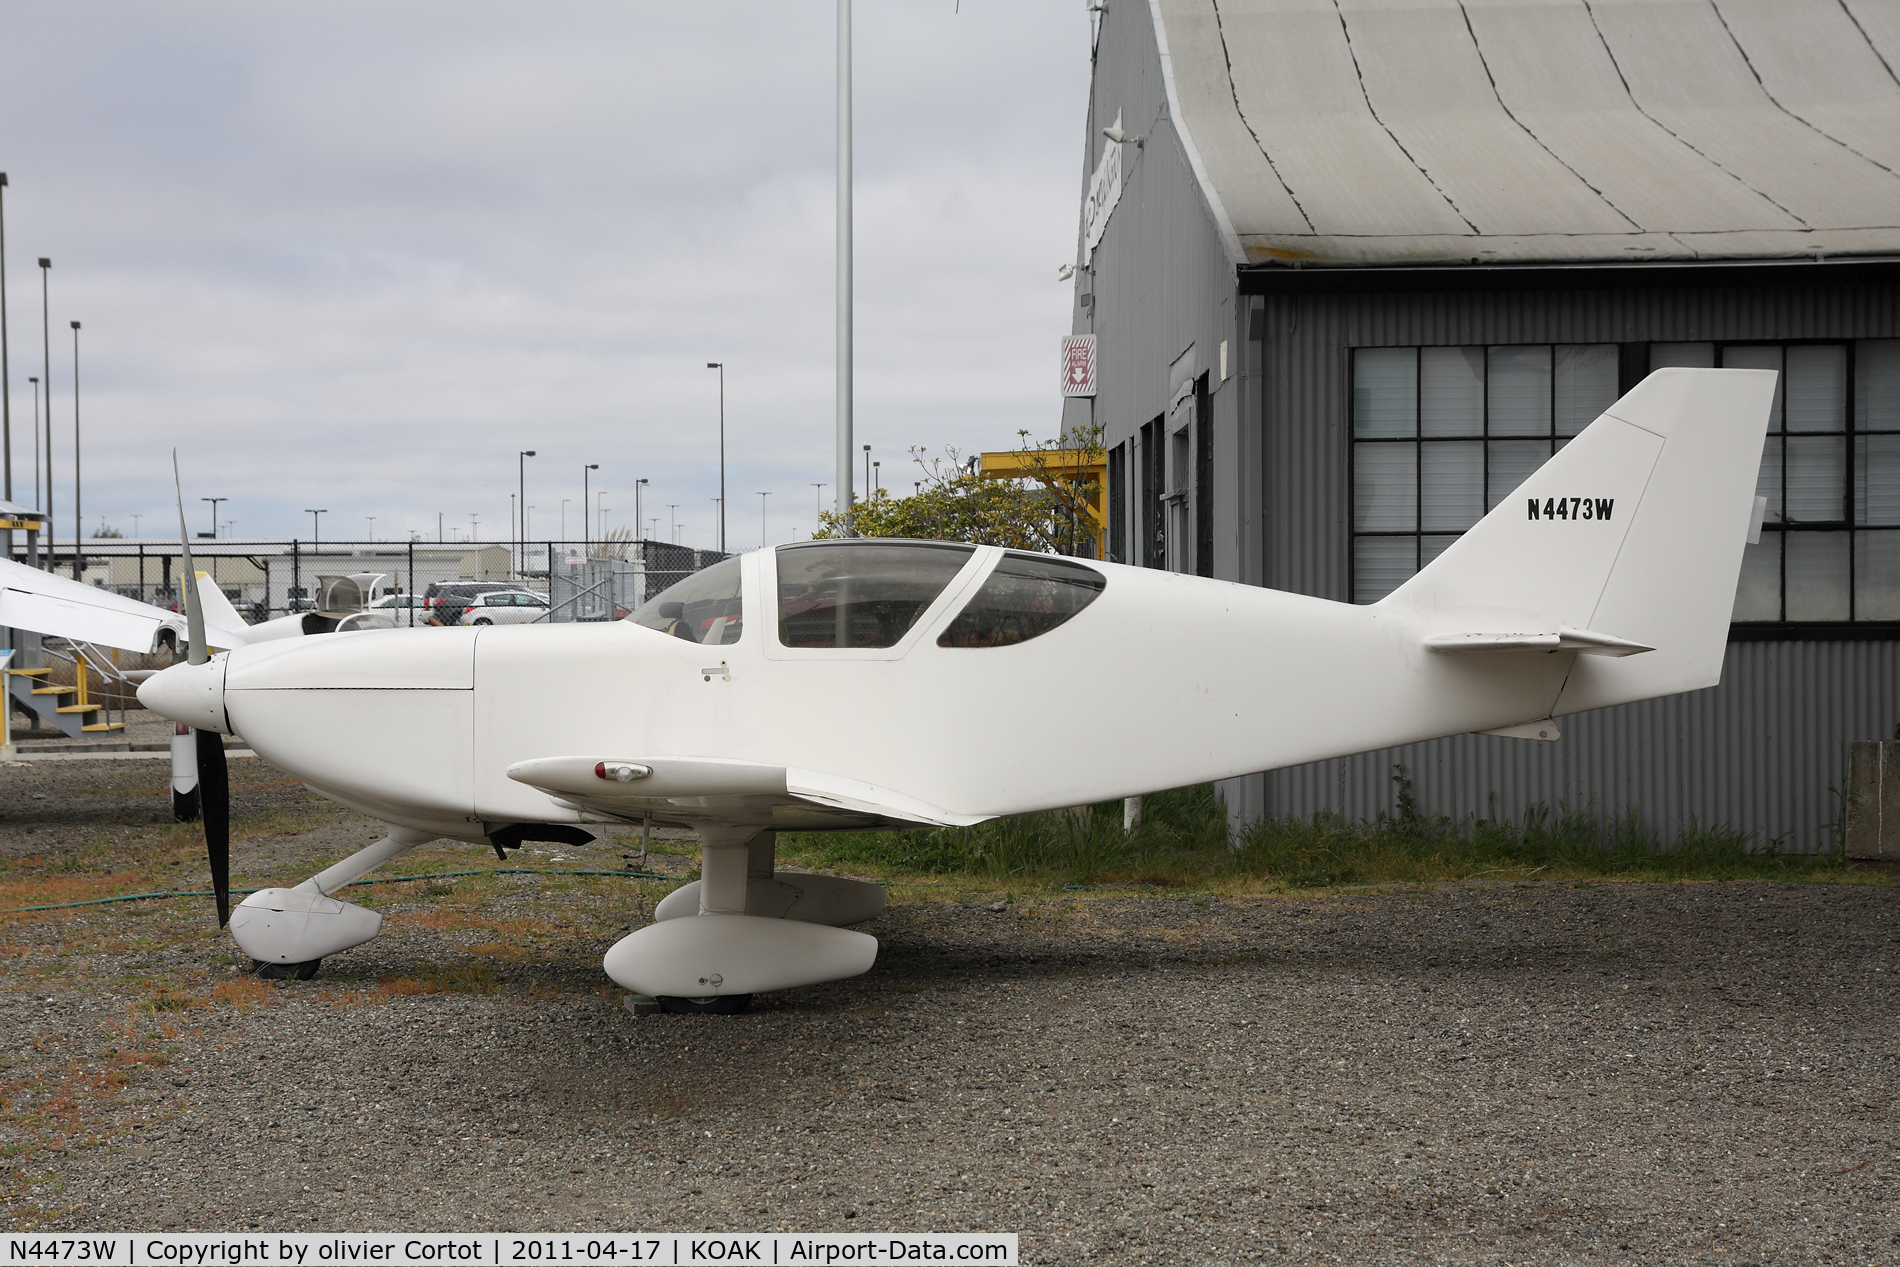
x,y
1760,752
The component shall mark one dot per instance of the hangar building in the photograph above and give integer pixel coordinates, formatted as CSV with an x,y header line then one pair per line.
x,y
1355,267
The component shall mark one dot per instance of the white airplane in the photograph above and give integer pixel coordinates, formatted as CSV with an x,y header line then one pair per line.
x,y
753,698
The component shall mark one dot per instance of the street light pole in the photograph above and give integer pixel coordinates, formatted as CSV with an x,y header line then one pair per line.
x,y
762,497
521,478
639,487
214,512
6,380
79,562
721,367
46,382
844,338
316,524
564,502
587,507
36,440
820,505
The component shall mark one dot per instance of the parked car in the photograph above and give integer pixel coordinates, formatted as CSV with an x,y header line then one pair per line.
x,y
398,607
505,607
446,599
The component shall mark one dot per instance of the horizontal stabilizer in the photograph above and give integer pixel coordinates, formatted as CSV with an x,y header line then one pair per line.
x,y
1582,641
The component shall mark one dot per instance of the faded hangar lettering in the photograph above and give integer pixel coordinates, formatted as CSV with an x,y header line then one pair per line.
x,y
1572,507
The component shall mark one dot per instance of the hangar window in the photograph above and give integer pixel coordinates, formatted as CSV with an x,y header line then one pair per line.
x,y
1440,435
860,593
705,607
1025,597
1830,471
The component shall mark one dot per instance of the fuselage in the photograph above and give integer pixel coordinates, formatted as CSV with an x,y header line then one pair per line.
x,y
1161,681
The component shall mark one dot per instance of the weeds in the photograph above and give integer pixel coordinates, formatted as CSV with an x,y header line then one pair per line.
x,y
1183,839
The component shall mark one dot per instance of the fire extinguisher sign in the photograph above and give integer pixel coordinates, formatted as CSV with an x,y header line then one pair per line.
x,y
1078,365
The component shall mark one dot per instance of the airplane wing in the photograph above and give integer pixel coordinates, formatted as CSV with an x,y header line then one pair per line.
x,y
65,608
710,788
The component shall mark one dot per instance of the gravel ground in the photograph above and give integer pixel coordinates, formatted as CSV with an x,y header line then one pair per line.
x,y
1522,1073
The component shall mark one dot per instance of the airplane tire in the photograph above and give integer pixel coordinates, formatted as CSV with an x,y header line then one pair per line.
x,y
483,620
717,1005
287,971
185,805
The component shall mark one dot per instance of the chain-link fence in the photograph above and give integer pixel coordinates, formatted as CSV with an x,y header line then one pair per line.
x,y
579,580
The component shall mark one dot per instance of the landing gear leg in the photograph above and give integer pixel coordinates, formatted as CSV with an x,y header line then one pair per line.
x,y
716,942
288,932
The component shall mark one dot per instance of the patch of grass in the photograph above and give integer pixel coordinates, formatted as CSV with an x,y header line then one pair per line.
x,y
1183,840
170,1000
243,992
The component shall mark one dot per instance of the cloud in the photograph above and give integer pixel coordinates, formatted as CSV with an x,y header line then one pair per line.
x,y
358,255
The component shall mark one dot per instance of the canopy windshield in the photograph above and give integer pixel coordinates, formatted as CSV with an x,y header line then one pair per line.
x,y
860,593
705,607
1025,597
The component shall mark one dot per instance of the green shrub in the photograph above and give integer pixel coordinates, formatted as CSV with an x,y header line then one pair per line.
x,y
1183,838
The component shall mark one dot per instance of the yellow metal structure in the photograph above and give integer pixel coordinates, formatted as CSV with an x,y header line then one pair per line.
x,y
84,704
1080,471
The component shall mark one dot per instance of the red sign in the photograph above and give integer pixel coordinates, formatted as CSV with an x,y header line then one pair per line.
x,y
1078,365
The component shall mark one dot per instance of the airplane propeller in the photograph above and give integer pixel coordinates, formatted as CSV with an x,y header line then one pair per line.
x,y
214,787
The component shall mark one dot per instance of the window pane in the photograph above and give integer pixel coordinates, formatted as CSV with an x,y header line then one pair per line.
x,y
1817,575
1451,391
1385,392
1512,462
1768,483
1759,357
705,607
1586,376
871,593
1758,593
1385,487
1816,391
1877,372
1430,548
1453,484
1877,480
1024,598
1877,576
1518,391
1380,565
1817,478
1695,356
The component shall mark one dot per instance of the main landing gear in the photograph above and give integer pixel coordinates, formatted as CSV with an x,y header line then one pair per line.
x,y
741,929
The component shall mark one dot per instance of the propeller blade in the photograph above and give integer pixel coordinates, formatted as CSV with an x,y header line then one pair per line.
x,y
214,807
196,651
214,788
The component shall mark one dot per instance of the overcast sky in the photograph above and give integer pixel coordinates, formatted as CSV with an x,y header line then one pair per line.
x,y
355,256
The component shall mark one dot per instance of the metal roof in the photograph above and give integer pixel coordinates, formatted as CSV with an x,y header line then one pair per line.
x,y
1391,132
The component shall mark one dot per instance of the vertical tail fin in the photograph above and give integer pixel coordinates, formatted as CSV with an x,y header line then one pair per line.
x,y
1635,530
